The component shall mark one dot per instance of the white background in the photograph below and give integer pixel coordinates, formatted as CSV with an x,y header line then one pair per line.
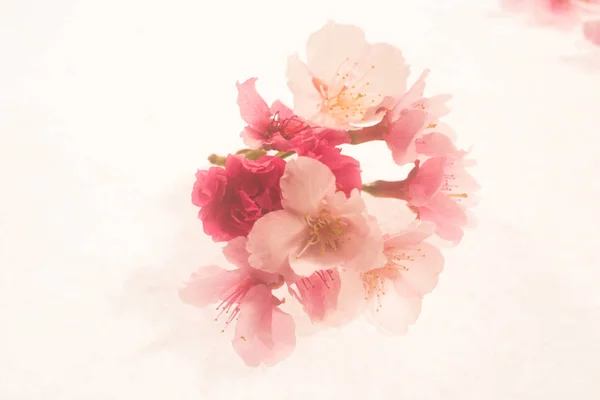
x,y
108,107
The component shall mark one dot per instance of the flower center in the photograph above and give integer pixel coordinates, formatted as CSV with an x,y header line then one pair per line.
x,y
288,128
324,230
231,304
348,95
374,280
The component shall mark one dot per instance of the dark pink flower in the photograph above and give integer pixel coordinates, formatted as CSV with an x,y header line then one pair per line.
x,y
231,199
346,169
277,127
263,334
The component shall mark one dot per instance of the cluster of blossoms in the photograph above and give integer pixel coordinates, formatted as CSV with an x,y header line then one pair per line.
x,y
290,207
562,13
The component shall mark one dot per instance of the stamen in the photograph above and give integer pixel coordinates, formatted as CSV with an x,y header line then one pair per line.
x,y
325,230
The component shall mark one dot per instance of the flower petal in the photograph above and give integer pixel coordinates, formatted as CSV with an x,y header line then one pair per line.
x,y
421,276
253,108
331,45
447,215
209,285
304,185
393,313
318,293
307,100
402,133
273,237
435,144
427,181
263,334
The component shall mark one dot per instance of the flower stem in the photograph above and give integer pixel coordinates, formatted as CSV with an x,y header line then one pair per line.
x,y
368,134
285,154
217,160
251,154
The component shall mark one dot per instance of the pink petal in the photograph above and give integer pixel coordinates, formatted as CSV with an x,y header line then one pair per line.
x,y
304,185
235,252
411,96
436,106
307,100
448,216
385,69
273,238
254,110
284,111
318,294
591,31
427,181
402,134
263,334
425,265
435,144
393,313
331,45
414,234
209,285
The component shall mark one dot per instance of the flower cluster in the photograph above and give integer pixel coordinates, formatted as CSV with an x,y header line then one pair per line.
x,y
563,14
291,210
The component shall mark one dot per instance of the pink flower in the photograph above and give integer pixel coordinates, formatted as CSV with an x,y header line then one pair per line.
x,y
394,292
318,228
408,119
591,31
233,198
559,13
263,333
346,169
438,190
345,79
276,127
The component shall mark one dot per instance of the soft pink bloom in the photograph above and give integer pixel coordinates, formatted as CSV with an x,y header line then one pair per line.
x,y
231,199
558,13
591,31
345,79
439,190
394,292
318,228
346,169
263,333
276,127
318,293
406,121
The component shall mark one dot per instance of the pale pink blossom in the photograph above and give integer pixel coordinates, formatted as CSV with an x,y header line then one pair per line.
x,y
318,228
263,333
591,31
394,291
345,79
406,121
557,13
